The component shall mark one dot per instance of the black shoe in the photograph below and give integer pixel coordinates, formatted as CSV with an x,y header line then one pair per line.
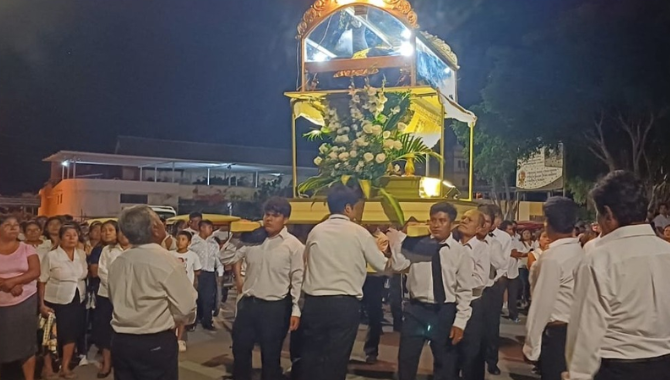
x,y
371,359
494,370
209,328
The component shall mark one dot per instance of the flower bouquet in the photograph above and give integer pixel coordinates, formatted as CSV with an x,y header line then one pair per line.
x,y
365,139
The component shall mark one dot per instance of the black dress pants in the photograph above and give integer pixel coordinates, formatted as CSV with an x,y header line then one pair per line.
x,y
427,322
330,324
513,291
206,297
552,357
265,323
642,369
470,358
493,301
372,302
395,299
145,357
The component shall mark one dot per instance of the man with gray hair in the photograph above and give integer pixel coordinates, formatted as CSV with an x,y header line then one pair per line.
x,y
151,293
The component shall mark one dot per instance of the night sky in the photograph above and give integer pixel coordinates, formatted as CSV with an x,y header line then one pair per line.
x,y
76,74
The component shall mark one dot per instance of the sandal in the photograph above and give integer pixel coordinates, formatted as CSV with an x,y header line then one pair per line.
x,y
105,375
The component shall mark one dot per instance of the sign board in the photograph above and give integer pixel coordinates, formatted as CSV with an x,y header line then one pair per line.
x,y
542,171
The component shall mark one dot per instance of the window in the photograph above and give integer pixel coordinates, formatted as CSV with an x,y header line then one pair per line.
x,y
135,198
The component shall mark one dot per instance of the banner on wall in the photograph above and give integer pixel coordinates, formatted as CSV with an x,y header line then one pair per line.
x,y
542,171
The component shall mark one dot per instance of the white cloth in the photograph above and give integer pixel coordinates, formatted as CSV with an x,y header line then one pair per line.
x,y
63,277
43,249
479,252
190,261
621,306
522,247
457,267
208,252
661,221
532,272
506,252
591,244
275,268
107,257
223,236
336,256
553,292
497,258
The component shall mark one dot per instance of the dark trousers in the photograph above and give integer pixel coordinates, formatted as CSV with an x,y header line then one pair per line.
x,y
330,326
296,347
652,368
513,289
265,323
552,357
145,357
206,297
524,291
493,300
470,358
427,322
372,302
395,299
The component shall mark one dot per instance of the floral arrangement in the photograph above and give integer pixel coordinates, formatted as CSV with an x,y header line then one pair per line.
x,y
365,140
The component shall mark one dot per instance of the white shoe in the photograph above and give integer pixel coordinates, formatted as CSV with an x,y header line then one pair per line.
x,y
182,346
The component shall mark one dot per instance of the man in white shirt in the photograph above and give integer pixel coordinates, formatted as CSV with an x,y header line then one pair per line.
x,y
268,307
472,226
549,313
513,283
207,249
619,323
501,251
336,257
151,294
193,226
440,291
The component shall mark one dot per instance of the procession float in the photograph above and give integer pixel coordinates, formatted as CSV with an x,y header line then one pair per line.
x,y
376,91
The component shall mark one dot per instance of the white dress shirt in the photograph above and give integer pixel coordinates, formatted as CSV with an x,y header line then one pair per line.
x,y
274,268
457,267
479,252
208,252
553,291
63,277
622,305
513,262
107,257
532,272
336,256
150,291
592,244
506,251
497,258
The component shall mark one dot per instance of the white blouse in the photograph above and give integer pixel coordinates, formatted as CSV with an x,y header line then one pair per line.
x,y
63,277
107,257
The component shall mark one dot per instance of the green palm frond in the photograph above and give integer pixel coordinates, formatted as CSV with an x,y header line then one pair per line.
x,y
314,134
414,147
391,207
315,184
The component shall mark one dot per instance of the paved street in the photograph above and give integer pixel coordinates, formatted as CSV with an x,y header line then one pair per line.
x,y
209,354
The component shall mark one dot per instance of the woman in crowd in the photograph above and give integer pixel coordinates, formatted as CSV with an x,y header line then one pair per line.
x,y
94,237
33,232
102,328
542,245
525,246
51,230
19,268
62,290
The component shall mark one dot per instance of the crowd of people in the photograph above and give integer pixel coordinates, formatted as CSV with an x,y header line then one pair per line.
x,y
595,295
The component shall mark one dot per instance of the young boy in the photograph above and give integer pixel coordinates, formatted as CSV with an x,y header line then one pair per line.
x,y
192,266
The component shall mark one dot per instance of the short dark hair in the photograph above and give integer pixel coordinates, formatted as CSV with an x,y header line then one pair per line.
x,y
446,208
277,205
66,227
112,223
4,218
488,210
505,224
205,222
30,223
624,194
45,231
662,204
561,214
339,197
186,234
194,215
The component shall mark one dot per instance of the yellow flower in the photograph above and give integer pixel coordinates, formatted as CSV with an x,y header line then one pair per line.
x,y
318,160
368,157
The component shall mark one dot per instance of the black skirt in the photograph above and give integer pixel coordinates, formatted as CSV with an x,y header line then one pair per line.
x,y
102,327
18,324
70,320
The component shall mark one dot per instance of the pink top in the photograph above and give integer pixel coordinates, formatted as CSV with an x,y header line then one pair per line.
x,y
13,265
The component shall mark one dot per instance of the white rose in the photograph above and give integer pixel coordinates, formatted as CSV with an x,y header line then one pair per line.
x,y
353,154
361,141
389,144
381,99
332,156
386,134
395,110
368,128
397,145
343,156
402,127
377,130
381,157
317,161
372,91
356,99
342,139
368,157
323,148
337,166
354,127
